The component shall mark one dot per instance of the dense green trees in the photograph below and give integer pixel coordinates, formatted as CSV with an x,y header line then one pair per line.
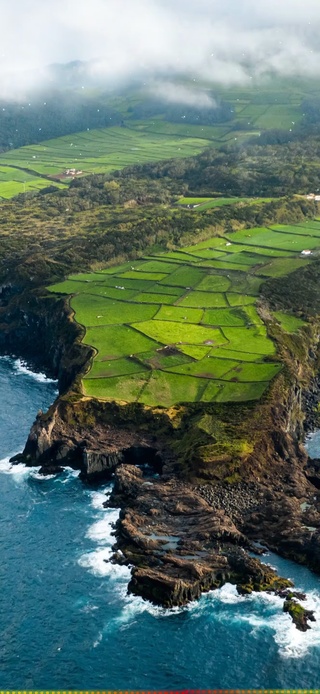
x,y
247,170
219,112
106,218
51,116
44,237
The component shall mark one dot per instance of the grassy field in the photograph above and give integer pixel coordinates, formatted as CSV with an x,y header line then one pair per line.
x,y
209,203
96,151
188,331
137,141
15,180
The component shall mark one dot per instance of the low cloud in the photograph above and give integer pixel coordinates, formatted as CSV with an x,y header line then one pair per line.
x,y
232,42
178,94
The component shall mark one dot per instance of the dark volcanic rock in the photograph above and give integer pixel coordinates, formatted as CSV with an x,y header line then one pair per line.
x,y
179,545
254,481
51,470
300,616
85,443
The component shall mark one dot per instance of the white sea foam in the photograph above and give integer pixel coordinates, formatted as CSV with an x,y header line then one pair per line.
x,y
102,530
20,367
98,563
266,610
18,470
36,476
134,606
68,474
100,497
228,595
291,642
101,533
98,639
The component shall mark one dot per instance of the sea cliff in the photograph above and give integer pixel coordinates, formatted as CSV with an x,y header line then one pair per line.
x,y
198,485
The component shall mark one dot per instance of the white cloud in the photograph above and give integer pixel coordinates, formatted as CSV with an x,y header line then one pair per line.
x,y
227,42
178,94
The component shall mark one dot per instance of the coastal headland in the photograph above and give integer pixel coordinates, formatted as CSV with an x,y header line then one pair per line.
x,y
203,481
200,485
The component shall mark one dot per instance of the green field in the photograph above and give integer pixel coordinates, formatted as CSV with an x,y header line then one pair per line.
x,y
14,181
34,167
96,151
187,333
209,203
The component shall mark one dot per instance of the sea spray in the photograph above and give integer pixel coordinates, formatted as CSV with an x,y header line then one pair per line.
x,y
21,367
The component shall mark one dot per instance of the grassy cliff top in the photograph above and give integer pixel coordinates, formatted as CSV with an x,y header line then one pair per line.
x,y
184,326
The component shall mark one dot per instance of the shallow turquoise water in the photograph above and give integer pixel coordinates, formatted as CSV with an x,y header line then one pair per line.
x,y
66,620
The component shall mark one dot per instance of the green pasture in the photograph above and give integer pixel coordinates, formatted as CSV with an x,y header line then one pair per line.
x,y
289,323
268,238
223,265
91,311
150,298
195,351
180,314
94,151
14,181
206,254
306,230
165,389
200,204
225,353
240,299
184,277
176,333
223,317
156,266
116,367
279,116
283,266
163,358
139,141
204,300
249,339
118,388
240,392
117,341
162,289
165,330
214,283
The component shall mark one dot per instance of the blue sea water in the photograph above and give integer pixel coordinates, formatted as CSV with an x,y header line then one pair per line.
x,y
66,621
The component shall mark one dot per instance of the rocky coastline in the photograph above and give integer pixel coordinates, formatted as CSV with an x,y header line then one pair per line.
x,y
194,510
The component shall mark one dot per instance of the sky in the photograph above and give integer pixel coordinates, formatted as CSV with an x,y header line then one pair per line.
x,y
224,41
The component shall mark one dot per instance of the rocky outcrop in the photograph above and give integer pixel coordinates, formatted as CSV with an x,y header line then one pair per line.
x,y
79,435
228,475
299,615
178,544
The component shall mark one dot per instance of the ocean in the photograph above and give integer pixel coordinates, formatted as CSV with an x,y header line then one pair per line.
x,y
66,621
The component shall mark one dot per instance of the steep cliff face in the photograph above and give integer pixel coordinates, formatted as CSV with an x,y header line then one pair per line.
x,y
228,474
39,328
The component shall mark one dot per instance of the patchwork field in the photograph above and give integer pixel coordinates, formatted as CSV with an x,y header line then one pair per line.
x,y
95,151
138,141
174,328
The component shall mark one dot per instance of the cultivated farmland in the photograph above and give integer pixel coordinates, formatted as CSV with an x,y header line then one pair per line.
x,y
188,331
58,161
